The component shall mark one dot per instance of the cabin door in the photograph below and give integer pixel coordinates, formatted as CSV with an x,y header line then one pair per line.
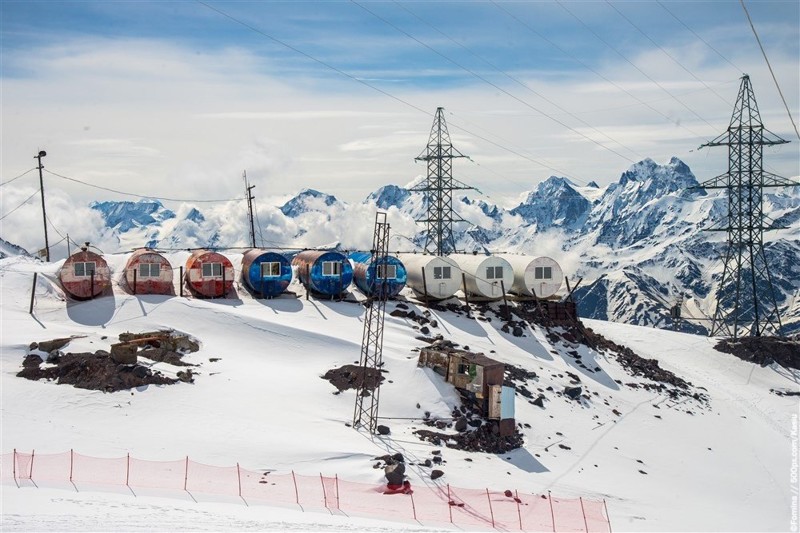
x,y
495,395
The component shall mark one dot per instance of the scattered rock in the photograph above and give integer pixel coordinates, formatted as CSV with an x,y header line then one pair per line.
x,y
436,474
573,392
354,377
383,430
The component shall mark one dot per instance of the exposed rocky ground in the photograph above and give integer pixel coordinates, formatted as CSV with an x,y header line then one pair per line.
x,y
119,369
764,350
353,377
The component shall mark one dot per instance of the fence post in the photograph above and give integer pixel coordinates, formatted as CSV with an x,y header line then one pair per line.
x,y
552,513
324,492
519,513
14,466
134,281
505,301
466,294
91,292
30,473
70,465
449,503
128,469
608,516
413,507
491,511
239,477
186,475
180,282
338,501
425,288
583,512
33,292
296,493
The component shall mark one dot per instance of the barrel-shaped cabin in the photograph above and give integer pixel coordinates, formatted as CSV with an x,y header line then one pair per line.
x,y
84,274
540,277
486,276
327,273
266,274
431,276
209,274
148,272
381,277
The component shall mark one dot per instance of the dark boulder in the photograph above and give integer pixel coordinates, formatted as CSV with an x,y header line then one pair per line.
x,y
383,430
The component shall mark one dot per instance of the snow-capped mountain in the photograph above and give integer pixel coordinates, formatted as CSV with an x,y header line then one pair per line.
x,y
638,244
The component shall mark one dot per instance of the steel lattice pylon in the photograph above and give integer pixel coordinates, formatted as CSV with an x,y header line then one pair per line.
x,y
746,304
438,188
366,409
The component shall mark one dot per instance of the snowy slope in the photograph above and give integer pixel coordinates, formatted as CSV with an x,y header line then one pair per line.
x,y
720,465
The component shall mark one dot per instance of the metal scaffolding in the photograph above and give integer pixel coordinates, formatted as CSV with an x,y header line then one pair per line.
x,y
439,187
366,408
746,304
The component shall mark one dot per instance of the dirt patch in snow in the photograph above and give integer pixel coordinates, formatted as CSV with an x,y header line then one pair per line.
x,y
354,377
764,350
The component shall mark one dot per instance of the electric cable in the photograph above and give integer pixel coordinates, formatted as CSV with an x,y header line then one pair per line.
x,y
147,197
23,203
18,177
764,53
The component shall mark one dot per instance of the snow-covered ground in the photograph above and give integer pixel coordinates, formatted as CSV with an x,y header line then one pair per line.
x,y
659,464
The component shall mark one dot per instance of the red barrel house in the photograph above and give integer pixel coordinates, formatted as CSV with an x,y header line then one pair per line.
x,y
148,272
84,274
209,274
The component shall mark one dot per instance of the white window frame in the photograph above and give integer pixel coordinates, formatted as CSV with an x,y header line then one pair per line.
x,y
386,271
543,272
440,271
332,268
85,273
214,267
494,272
272,270
149,268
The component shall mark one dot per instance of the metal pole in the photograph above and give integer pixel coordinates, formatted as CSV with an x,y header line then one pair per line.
x,y
552,513
491,511
33,292
134,281
425,287
324,492
608,516
180,283
186,474
449,503
466,294
69,253
583,512
128,471
505,301
91,292
413,507
39,156
239,477
519,514
70,464
296,493
308,279
223,281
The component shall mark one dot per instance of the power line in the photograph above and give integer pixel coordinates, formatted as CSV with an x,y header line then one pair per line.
x,y
18,177
489,82
770,69
148,197
373,87
589,67
646,36
23,203
631,63
738,70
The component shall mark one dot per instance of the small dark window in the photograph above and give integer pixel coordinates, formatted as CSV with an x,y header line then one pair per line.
x,y
84,269
543,273
495,272
387,271
149,270
441,272
212,270
271,269
331,268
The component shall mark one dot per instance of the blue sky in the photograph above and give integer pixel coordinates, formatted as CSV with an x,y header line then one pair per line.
x,y
161,98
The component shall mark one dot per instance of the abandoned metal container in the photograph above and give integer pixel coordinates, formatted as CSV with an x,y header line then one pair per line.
x,y
486,275
431,276
148,272
84,274
266,273
535,276
372,275
326,273
209,274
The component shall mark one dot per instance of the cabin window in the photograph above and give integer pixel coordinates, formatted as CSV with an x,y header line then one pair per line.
x,y
494,272
212,270
543,273
331,268
84,269
387,271
441,273
271,269
149,270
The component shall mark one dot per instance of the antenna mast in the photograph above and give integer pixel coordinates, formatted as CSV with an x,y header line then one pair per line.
x,y
439,187
746,304
247,192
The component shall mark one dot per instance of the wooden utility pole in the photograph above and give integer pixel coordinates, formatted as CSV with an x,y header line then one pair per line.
x,y
39,156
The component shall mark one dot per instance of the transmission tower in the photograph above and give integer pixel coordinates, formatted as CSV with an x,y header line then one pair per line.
x,y
746,304
249,195
439,187
366,409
